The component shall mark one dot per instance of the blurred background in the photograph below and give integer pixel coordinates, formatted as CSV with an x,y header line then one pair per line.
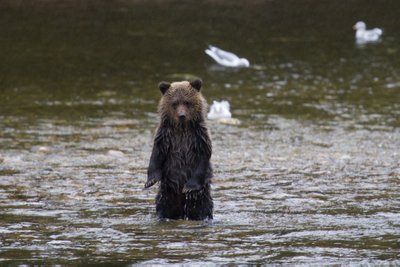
x,y
311,175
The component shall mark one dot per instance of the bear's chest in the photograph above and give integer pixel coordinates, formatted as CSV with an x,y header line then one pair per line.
x,y
181,149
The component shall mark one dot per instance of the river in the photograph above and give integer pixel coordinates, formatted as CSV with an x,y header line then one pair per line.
x,y
310,176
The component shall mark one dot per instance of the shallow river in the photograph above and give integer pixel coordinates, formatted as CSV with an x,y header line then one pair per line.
x,y
310,176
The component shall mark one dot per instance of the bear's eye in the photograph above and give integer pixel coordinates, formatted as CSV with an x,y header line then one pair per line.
x,y
187,103
175,105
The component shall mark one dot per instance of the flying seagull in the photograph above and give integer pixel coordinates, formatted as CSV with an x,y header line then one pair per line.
x,y
226,58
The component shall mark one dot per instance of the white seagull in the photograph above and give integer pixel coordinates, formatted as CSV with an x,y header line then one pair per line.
x,y
365,36
226,58
219,110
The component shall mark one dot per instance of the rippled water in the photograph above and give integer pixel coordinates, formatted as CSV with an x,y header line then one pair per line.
x,y
311,175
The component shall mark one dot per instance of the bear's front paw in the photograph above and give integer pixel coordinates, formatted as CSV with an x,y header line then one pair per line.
x,y
151,180
195,194
191,186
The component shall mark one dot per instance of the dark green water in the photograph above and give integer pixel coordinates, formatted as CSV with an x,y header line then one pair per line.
x,y
311,176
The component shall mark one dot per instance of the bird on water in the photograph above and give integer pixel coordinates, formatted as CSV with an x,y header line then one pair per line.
x,y
225,58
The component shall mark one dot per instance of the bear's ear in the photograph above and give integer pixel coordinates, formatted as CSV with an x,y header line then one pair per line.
x,y
164,86
196,84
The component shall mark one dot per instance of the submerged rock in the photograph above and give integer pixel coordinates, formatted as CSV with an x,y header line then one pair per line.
x,y
228,121
116,153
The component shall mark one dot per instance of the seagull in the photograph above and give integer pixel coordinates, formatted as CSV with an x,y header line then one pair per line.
x,y
226,58
219,110
364,36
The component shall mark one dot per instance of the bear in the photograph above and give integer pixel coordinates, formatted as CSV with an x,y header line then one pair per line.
x,y
180,158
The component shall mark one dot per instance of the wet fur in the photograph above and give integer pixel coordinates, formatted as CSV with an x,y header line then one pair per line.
x,y
181,154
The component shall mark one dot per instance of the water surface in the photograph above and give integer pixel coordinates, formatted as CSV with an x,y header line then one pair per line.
x,y
311,175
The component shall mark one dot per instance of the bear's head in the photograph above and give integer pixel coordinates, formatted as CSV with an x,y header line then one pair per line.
x,y
182,102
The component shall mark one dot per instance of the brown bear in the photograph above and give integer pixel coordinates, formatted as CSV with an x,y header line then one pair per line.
x,y
180,159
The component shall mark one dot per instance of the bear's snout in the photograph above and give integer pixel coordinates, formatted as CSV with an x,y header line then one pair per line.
x,y
181,111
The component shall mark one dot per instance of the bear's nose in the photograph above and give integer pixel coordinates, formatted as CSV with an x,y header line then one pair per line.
x,y
181,112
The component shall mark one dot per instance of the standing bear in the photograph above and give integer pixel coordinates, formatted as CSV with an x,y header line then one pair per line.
x,y
180,159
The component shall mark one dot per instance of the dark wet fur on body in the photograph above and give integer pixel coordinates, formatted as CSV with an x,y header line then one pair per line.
x,y
180,159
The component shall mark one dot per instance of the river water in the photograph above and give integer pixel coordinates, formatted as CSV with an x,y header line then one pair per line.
x,y
310,176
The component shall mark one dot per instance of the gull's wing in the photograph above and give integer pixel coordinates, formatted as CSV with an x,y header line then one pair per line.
x,y
222,54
